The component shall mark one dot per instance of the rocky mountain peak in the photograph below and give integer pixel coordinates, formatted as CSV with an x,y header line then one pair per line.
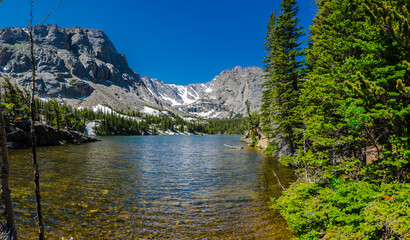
x,y
224,96
64,56
83,66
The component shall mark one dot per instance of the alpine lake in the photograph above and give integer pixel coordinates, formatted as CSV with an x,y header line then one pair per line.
x,y
151,187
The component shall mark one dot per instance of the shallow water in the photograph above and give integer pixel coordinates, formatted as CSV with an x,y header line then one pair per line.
x,y
151,187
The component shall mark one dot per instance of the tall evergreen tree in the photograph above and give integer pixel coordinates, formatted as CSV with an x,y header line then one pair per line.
x,y
384,85
334,31
357,101
356,106
267,99
9,231
280,99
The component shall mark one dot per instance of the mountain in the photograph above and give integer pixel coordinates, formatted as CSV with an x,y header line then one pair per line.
x,y
74,63
82,66
223,96
176,95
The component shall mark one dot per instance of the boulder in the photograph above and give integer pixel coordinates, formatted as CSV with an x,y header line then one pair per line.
x,y
18,135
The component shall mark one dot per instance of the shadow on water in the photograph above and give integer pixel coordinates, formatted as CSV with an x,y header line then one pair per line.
x,y
152,187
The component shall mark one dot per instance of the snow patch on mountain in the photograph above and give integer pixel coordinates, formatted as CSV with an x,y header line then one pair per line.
x,y
150,111
176,95
109,111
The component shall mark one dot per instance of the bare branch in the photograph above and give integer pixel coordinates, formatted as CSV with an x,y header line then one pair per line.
x,y
278,180
31,15
55,9
33,121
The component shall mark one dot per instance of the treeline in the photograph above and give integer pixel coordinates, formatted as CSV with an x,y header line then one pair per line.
x,y
221,126
56,113
115,124
52,112
343,115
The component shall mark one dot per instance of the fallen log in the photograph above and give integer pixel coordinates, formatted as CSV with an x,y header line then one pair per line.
x,y
233,147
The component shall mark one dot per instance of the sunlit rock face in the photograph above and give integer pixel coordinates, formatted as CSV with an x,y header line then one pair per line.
x,y
83,65
66,60
223,96
176,95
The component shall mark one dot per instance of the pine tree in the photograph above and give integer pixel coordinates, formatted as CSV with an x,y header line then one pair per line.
x,y
267,94
9,230
357,97
333,33
280,98
356,108
384,86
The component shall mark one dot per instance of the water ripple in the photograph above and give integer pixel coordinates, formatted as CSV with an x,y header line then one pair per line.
x,y
156,187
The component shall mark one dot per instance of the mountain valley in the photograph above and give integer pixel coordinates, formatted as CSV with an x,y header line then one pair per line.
x,y
83,67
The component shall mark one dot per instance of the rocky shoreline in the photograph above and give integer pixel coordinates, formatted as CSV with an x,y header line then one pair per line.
x,y
18,135
255,138
260,141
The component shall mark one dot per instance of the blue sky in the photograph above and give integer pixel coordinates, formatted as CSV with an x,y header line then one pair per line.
x,y
176,41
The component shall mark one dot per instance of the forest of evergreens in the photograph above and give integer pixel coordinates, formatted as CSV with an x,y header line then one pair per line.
x,y
340,109
341,106
56,113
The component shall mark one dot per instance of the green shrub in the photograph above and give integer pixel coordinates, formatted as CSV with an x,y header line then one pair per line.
x,y
346,210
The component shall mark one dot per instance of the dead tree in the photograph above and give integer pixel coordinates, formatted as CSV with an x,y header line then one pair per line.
x,y
33,120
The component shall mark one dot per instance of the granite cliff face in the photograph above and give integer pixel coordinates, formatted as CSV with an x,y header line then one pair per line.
x,y
72,63
82,66
223,96
231,89
176,95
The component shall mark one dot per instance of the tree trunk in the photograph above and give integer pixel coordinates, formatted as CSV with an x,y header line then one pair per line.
x,y
5,173
33,120
33,134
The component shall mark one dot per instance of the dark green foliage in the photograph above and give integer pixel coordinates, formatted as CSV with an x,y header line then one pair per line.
x,y
267,93
117,125
356,99
55,112
280,100
346,210
218,126
15,101
252,120
252,124
111,124
353,165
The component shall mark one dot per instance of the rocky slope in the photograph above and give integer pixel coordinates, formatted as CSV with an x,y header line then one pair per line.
x,y
230,90
75,63
175,95
82,66
223,96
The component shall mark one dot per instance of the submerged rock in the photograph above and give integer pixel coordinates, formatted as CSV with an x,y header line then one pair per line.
x,y
18,135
